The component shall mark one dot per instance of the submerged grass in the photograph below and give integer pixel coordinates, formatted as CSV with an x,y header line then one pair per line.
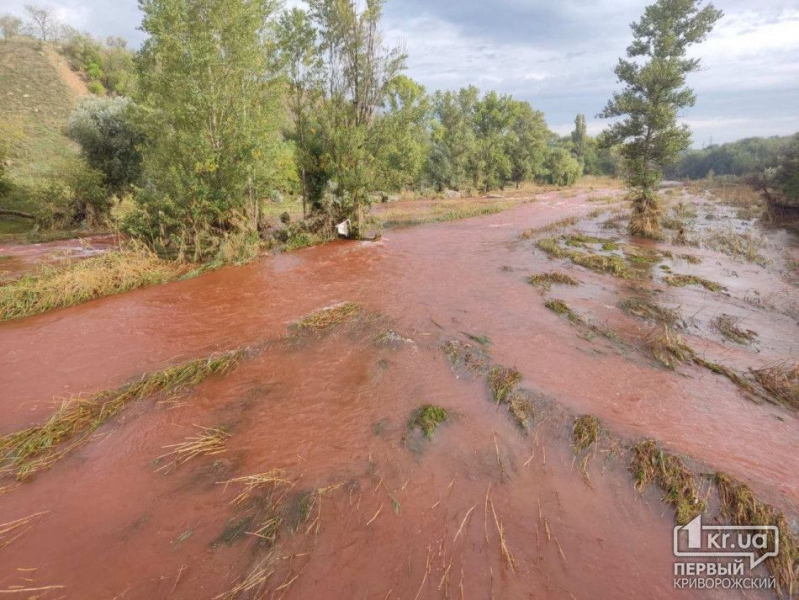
x,y
651,311
502,381
678,280
781,382
743,245
612,264
427,418
668,347
465,355
327,317
727,326
30,450
585,433
741,506
556,226
651,464
111,273
208,442
547,280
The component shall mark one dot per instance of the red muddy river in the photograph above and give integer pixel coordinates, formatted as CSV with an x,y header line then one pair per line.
x,y
483,510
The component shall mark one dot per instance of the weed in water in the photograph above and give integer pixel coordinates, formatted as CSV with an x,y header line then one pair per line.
x,y
30,450
691,259
727,325
678,280
615,265
209,442
651,311
427,418
520,408
741,506
480,339
327,317
556,226
547,280
781,382
745,246
501,381
465,355
668,347
559,307
651,464
730,374
585,433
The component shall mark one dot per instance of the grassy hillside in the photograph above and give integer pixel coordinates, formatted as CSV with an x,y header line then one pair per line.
x,y
38,93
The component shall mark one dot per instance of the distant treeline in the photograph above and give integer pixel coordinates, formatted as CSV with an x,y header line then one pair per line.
x,y
739,158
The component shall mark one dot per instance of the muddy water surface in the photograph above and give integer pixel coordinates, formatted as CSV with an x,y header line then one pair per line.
x,y
401,517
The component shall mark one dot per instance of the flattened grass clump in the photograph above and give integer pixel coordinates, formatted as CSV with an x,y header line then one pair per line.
x,y
678,280
651,311
502,381
52,287
547,280
559,307
741,506
327,317
556,226
727,326
781,382
651,464
585,433
668,347
29,450
615,265
427,418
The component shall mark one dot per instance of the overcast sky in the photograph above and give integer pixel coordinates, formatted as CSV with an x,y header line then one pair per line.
x,y
560,55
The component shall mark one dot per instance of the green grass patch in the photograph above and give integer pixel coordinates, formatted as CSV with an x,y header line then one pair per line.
x,y
427,418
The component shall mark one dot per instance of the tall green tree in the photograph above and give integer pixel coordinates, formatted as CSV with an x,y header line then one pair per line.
x,y
654,91
454,151
109,140
403,143
527,143
301,61
214,117
358,69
